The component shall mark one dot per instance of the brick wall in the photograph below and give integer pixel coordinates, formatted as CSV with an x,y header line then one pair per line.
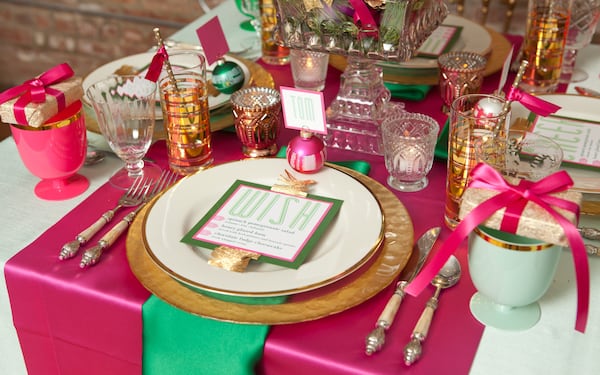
x,y
37,35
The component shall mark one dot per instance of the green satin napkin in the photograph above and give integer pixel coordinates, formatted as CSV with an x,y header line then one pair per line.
x,y
441,146
409,92
179,343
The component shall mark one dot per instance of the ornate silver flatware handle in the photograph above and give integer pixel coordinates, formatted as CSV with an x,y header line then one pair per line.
x,y
590,233
376,339
70,249
93,254
413,350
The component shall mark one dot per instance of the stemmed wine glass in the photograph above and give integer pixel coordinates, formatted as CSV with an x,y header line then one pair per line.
x,y
584,18
125,109
251,8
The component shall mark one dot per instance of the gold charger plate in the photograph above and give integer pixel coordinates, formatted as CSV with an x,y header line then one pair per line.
x,y
383,269
499,50
221,117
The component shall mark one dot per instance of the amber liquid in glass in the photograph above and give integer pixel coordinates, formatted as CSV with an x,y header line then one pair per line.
x,y
187,120
543,48
272,52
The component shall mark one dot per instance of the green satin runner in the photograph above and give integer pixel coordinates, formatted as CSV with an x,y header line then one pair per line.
x,y
408,92
179,343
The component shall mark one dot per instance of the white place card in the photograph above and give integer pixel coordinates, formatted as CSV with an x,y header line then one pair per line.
x,y
303,109
579,139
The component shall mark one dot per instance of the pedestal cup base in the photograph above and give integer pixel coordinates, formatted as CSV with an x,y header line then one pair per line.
x,y
504,317
58,190
259,153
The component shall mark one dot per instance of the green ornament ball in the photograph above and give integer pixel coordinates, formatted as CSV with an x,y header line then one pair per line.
x,y
227,77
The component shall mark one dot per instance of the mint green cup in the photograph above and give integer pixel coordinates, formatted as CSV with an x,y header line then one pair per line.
x,y
511,273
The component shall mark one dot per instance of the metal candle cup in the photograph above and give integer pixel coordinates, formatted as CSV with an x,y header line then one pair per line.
x,y
257,114
461,73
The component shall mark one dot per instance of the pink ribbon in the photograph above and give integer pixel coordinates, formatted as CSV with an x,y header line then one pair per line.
x,y
35,90
362,14
532,103
514,198
156,65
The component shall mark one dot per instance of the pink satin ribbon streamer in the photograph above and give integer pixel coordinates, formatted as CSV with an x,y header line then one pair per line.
x,y
35,90
362,14
514,198
156,65
532,103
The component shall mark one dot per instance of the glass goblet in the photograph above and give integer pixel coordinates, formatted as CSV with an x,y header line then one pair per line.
x,y
125,110
585,15
251,8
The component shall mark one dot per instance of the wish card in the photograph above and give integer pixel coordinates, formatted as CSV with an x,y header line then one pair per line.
x,y
282,228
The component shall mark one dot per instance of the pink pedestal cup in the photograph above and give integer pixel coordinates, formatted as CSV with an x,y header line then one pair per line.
x,y
54,152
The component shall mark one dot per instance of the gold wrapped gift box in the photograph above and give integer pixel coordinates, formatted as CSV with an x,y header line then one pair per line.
x,y
535,222
37,114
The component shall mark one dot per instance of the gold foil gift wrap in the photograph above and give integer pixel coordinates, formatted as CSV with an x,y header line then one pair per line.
x,y
535,222
38,113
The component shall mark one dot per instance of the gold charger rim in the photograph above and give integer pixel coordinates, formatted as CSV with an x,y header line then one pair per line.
x,y
259,76
339,274
384,268
500,48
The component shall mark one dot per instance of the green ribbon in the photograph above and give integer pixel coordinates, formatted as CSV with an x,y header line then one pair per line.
x,y
408,92
441,146
176,342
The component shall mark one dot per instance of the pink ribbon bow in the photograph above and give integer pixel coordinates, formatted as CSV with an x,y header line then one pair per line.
x,y
35,90
514,198
534,104
156,65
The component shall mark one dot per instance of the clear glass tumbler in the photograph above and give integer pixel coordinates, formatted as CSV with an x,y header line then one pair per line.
x,y
408,143
309,69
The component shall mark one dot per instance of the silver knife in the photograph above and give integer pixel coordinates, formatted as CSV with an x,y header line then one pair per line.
x,y
375,340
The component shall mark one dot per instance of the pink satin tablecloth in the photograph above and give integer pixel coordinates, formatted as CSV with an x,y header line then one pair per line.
x,y
58,308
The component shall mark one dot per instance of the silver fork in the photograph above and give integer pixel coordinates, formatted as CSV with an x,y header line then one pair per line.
x,y
132,197
92,255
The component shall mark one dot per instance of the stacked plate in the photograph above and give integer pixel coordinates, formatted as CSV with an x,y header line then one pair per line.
x,y
139,64
346,267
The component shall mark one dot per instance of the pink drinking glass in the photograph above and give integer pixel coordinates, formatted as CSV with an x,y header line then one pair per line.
x,y
54,152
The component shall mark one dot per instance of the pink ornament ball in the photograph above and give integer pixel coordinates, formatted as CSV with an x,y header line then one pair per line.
x,y
306,153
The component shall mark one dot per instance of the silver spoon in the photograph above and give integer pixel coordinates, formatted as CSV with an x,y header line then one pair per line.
x,y
448,276
94,156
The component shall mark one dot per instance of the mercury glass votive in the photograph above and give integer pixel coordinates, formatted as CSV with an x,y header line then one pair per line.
x,y
257,115
461,73
309,69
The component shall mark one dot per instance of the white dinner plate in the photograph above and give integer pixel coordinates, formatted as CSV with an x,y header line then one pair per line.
x,y
354,236
473,38
587,180
141,61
